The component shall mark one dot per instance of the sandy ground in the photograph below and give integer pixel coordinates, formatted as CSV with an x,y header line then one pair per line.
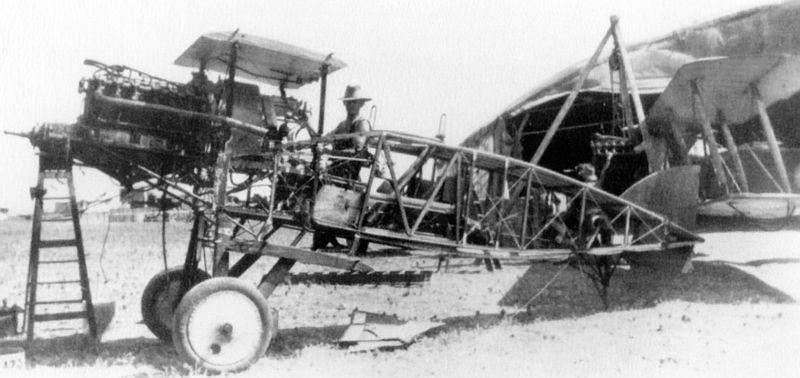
x,y
734,315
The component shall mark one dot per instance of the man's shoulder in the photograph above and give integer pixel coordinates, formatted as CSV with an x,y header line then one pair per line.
x,y
361,124
355,126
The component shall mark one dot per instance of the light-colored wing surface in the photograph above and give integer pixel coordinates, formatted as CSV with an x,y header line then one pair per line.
x,y
258,58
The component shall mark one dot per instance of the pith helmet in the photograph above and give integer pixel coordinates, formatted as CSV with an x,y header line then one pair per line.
x,y
354,93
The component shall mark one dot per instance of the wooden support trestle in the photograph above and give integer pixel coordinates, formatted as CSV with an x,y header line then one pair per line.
x,y
57,170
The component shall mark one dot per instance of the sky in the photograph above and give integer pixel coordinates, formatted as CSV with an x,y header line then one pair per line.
x,y
417,59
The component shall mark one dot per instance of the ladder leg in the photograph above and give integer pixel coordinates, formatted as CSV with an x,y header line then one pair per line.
x,y
52,167
86,293
33,262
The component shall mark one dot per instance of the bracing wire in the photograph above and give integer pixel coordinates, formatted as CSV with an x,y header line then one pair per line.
x,y
544,288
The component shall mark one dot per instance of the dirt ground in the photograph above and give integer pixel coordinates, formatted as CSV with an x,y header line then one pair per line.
x,y
733,315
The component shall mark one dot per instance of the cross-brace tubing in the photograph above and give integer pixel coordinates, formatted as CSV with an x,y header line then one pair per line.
x,y
480,205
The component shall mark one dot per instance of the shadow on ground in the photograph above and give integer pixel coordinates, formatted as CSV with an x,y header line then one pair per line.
x,y
569,294
573,294
81,350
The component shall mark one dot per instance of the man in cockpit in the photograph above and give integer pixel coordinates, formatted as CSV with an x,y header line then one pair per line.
x,y
353,100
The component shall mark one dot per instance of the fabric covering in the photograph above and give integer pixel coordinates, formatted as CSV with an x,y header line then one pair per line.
x,y
767,30
258,58
725,84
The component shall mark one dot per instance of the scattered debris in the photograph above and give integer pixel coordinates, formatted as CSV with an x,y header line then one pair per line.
x,y
369,331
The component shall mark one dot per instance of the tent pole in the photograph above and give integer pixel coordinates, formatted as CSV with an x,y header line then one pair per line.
x,y
654,161
624,95
548,137
769,133
630,80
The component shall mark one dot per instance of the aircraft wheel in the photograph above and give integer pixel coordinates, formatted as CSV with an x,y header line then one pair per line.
x,y
222,325
161,296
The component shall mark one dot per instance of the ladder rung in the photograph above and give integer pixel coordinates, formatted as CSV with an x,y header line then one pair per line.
x,y
57,243
59,261
58,282
59,316
56,198
55,174
64,301
56,219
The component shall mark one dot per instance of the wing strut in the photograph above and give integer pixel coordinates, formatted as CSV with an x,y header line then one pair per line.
x,y
769,133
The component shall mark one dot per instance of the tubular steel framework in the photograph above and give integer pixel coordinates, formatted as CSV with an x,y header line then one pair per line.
x,y
400,190
477,205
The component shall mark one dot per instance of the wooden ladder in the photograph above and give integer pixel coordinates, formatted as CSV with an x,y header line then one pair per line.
x,y
58,170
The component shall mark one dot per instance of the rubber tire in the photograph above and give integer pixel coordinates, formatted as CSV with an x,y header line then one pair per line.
x,y
153,293
194,298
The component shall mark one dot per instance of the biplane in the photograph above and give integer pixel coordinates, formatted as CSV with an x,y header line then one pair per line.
x,y
601,125
401,190
722,102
